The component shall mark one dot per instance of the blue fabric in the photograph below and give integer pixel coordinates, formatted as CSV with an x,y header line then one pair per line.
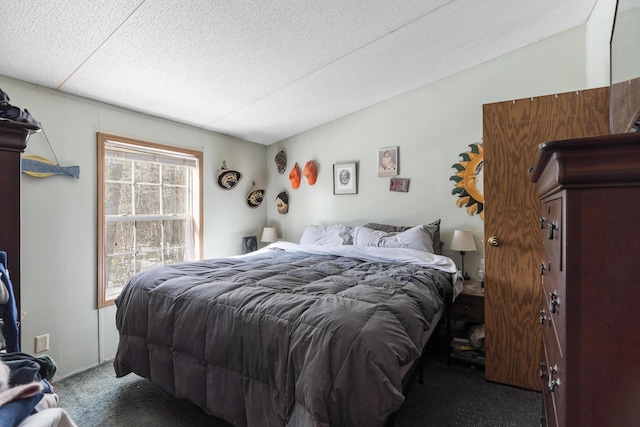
x,y
14,412
9,310
47,387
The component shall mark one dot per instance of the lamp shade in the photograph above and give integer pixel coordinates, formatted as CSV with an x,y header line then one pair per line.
x,y
269,235
463,241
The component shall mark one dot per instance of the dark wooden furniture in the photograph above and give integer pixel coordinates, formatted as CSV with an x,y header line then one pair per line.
x,y
13,141
469,308
469,305
590,232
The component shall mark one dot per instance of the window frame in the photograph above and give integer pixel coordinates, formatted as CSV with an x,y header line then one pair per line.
x,y
104,298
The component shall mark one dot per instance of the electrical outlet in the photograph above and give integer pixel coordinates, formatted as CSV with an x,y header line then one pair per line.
x,y
42,343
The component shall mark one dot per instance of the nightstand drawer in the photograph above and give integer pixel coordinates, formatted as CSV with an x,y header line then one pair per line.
x,y
468,307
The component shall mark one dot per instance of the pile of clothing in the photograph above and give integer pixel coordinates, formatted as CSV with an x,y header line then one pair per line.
x,y
27,398
11,112
10,331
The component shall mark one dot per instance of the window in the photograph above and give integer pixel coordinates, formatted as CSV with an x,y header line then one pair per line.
x,y
149,210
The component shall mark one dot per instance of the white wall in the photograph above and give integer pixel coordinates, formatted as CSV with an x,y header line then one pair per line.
x,y
597,43
431,126
626,66
59,225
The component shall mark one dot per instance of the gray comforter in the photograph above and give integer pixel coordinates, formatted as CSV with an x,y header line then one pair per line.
x,y
282,337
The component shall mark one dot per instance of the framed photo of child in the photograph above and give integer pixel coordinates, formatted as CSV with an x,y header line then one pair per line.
x,y
388,161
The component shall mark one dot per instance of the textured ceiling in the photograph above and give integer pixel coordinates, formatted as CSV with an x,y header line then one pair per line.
x,y
263,70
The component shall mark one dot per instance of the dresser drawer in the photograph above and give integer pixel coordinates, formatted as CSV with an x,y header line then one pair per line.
x,y
554,291
554,366
551,230
553,328
549,404
551,268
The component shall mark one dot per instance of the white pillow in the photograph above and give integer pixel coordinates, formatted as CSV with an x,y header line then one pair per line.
x,y
337,234
432,228
416,237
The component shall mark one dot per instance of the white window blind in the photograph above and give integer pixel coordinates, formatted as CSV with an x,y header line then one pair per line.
x,y
116,150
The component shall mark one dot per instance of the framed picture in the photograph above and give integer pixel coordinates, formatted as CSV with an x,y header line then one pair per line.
x,y
388,161
344,178
399,184
249,244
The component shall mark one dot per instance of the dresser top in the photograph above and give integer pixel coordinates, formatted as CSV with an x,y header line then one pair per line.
x,y
605,160
13,135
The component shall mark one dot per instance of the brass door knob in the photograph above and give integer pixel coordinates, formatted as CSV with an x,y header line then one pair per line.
x,y
493,241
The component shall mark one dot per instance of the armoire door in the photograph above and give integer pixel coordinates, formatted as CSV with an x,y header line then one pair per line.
x,y
512,131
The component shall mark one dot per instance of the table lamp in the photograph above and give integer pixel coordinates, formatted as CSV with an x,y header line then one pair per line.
x,y
463,241
269,235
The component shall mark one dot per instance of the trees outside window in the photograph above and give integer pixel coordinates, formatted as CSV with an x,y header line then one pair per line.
x,y
149,209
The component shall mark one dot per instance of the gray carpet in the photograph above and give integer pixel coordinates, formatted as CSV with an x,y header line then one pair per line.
x,y
456,395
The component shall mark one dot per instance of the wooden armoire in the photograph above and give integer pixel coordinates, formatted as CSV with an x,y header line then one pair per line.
x,y
512,132
13,141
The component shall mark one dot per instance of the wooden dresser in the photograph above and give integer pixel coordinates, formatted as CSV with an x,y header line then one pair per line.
x,y
13,141
590,278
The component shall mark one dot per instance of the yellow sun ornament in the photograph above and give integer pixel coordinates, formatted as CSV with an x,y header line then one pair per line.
x,y
468,181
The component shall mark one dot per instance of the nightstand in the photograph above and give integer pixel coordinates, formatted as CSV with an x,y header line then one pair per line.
x,y
469,308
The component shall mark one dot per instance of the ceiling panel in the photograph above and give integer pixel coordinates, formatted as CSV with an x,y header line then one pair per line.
x,y
44,42
263,70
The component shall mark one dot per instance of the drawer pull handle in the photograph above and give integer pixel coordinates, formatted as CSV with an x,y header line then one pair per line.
x,y
542,221
493,241
541,373
554,303
543,316
553,383
542,268
551,227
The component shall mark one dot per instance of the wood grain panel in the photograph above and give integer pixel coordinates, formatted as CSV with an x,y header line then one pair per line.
x,y
512,132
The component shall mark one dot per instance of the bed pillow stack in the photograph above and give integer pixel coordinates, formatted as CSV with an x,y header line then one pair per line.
x,y
419,238
432,229
337,234
424,237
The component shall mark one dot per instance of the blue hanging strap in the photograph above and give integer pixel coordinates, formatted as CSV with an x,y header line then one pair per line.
x,y
9,310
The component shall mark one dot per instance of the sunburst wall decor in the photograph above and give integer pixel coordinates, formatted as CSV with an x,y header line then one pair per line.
x,y
468,181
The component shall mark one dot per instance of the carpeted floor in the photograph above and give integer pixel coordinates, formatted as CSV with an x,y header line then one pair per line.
x,y
456,395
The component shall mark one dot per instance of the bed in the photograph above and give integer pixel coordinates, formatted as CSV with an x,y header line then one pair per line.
x,y
312,334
